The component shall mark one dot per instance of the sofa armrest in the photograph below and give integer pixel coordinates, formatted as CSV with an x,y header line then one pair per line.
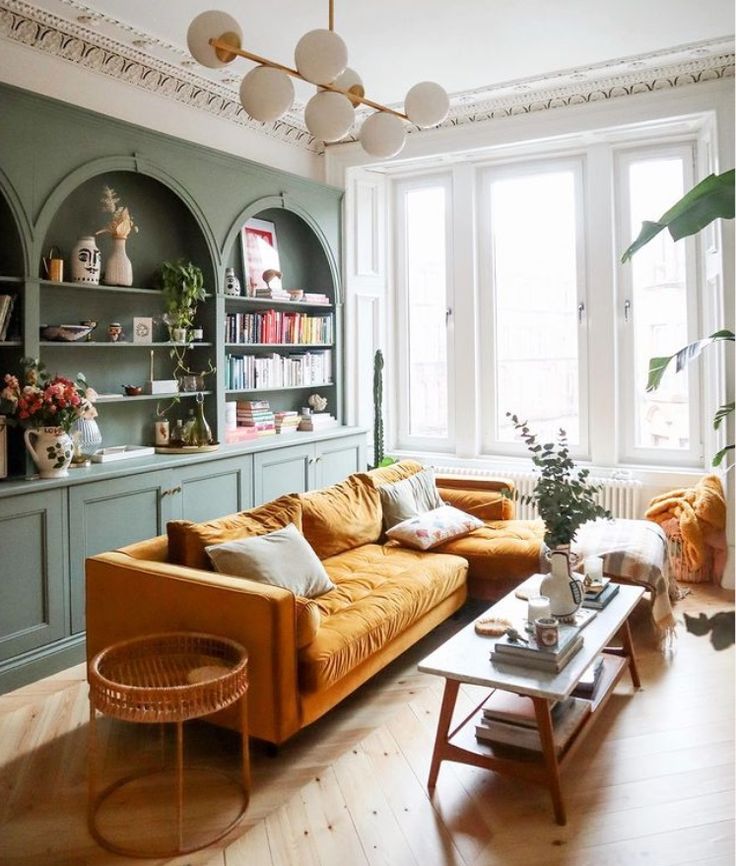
x,y
129,597
484,498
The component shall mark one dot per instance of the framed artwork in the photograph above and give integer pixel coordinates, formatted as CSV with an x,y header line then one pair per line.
x,y
260,252
142,329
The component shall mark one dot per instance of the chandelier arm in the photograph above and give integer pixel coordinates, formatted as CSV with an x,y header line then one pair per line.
x,y
227,48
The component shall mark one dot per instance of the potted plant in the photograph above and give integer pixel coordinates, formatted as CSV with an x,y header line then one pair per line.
x,y
565,501
183,289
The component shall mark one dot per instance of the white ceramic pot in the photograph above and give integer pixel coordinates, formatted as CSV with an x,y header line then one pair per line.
x,y
51,449
232,283
85,261
563,588
118,268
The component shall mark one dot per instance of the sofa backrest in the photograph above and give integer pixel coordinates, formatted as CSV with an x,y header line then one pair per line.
x,y
187,540
342,516
393,473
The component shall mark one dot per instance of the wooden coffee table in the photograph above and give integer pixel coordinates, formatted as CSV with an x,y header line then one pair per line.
x,y
465,659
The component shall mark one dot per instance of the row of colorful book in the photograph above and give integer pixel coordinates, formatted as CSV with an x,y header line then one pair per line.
x,y
278,371
272,326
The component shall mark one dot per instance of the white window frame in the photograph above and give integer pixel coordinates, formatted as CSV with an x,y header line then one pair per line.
x,y
402,313
628,451
489,408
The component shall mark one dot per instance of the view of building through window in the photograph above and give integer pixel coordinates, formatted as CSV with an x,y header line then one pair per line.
x,y
658,306
534,267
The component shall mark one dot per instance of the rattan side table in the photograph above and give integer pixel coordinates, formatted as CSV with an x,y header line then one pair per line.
x,y
165,678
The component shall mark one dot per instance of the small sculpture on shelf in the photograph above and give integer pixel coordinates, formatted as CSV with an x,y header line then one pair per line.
x,y
317,403
115,332
85,261
118,268
232,283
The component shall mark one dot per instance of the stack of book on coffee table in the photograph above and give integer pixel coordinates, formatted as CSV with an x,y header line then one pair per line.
x,y
525,652
600,593
509,719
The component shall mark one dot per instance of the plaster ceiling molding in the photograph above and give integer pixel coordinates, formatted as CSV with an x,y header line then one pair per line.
x,y
84,45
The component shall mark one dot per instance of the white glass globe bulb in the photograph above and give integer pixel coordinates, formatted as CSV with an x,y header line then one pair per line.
x,y
426,104
213,25
383,135
266,93
329,115
321,56
350,80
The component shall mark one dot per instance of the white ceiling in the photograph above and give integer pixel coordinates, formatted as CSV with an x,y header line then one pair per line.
x,y
466,46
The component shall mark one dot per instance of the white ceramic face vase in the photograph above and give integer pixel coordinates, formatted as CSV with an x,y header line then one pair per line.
x,y
85,261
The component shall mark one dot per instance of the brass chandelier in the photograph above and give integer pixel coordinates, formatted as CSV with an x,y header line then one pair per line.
x,y
321,57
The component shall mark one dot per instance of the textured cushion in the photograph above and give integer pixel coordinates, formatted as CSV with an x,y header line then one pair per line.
x,y
483,504
280,558
433,527
187,540
398,502
379,592
341,517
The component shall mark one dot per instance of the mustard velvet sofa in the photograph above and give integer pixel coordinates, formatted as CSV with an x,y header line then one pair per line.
x,y
306,655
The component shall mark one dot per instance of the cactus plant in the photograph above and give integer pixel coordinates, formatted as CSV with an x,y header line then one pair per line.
x,y
378,456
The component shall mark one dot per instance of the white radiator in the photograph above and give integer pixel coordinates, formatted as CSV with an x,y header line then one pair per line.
x,y
619,495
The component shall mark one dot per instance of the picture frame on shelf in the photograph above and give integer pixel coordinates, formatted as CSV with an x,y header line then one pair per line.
x,y
142,329
260,252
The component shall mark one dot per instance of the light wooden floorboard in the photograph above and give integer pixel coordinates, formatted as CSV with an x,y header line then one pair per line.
x,y
653,785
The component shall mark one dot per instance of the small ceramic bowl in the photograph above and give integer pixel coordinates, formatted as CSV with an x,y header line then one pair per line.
x,y
65,333
132,390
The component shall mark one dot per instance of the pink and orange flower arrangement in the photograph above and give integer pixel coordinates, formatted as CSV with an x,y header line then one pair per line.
x,y
40,400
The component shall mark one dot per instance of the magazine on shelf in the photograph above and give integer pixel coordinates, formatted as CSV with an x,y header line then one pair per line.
x,y
540,660
588,682
603,599
516,709
522,737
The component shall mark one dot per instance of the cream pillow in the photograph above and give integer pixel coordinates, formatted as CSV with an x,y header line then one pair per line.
x,y
281,558
433,527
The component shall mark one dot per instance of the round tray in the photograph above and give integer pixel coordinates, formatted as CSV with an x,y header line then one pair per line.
x,y
186,449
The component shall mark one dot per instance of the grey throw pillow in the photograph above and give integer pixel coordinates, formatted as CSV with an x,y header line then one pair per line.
x,y
425,491
282,558
398,503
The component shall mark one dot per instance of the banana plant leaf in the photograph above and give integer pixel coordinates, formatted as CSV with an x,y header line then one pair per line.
x,y
723,413
684,356
712,198
721,454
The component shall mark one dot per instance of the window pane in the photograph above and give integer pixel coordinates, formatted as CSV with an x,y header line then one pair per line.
x,y
533,228
659,306
427,304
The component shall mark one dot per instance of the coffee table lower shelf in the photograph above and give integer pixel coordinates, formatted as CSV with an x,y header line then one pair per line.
x,y
542,768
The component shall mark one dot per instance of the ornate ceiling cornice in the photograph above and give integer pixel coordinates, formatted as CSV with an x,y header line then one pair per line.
x,y
166,69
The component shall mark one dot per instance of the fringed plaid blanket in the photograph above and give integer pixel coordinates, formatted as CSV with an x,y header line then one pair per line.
x,y
636,551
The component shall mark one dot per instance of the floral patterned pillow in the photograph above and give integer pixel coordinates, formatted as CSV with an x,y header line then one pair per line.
x,y
433,527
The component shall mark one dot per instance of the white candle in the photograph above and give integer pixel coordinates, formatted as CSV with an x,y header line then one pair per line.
x,y
538,608
594,568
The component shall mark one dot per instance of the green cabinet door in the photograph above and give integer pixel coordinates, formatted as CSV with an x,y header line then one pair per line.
x,y
104,515
33,570
283,470
335,459
214,489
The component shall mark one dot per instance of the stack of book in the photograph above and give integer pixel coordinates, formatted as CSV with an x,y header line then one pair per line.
x,y
598,595
531,655
287,422
509,719
588,682
272,294
317,421
256,415
7,302
315,298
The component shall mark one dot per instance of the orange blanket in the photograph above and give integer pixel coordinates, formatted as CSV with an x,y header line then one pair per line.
x,y
701,513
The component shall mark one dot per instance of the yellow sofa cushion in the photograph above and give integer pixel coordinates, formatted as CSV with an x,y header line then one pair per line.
x,y
379,592
341,517
391,474
187,540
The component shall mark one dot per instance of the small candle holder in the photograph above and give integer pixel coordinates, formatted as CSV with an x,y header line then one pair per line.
x,y
538,608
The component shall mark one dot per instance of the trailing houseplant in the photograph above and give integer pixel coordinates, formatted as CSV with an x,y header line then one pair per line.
x,y
183,288
565,500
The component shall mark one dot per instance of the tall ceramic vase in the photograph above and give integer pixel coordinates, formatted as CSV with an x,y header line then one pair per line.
x,y
51,449
563,588
85,261
118,267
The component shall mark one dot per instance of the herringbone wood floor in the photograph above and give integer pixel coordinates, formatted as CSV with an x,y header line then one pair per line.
x,y
653,784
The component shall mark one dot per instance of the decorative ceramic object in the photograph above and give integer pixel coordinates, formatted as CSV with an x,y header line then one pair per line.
x,y
115,332
51,449
232,283
196,335
118,267
563,589
161,432
317,402
179,335
85,261
66,333
86,439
